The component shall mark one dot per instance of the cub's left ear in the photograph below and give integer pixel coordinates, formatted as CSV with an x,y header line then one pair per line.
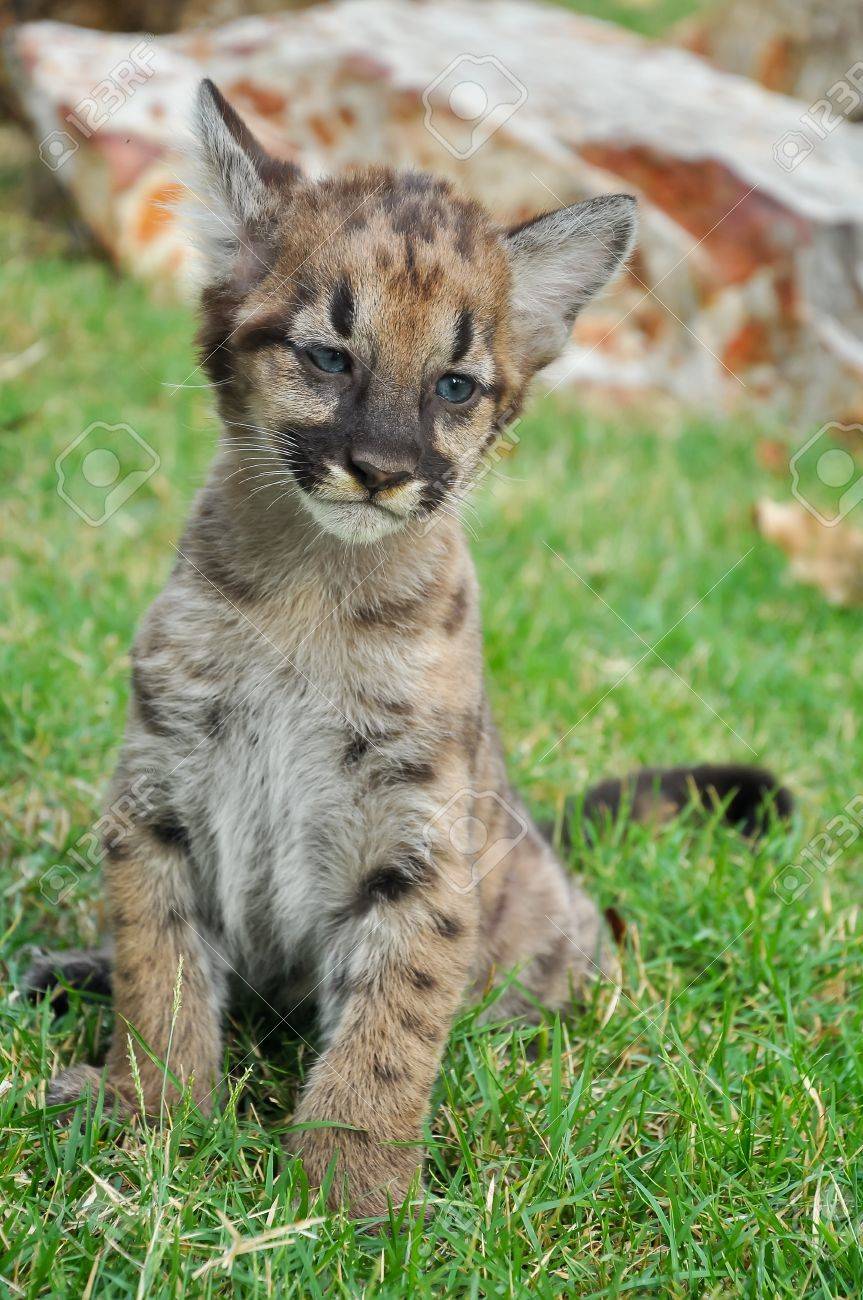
x,y
559,261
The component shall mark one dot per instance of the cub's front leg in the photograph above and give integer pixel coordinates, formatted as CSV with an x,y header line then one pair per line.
x,y
401,965
159,953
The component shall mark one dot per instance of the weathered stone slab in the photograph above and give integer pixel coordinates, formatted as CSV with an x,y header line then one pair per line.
x,y
747,284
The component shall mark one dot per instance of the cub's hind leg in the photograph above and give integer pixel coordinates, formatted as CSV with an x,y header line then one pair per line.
x,y
166,982
540,924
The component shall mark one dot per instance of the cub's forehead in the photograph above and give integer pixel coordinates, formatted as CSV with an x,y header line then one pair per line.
x,y
400,250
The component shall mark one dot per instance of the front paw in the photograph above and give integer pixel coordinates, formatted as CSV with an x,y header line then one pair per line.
x,y
370,1174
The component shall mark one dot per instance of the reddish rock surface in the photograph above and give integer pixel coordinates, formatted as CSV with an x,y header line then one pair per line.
x,y
747,284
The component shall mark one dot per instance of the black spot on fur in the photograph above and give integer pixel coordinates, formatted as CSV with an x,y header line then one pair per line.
x,y
457,611
411,265
386,1072
402,708
441,475
356,221
472,731
446,926
215,720
117,847
465,234
389,613
148,711
386,885
390,883
409,772
412,219
170,831
421,978
422,1029
548,963
356,748
342,309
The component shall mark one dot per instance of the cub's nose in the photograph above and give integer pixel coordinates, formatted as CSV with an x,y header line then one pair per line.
x,y
377,472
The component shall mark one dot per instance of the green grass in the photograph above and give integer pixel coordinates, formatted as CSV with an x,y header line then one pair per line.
x,y
647,17
702,1137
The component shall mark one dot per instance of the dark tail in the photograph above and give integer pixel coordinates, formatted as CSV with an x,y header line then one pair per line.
x,y
749,796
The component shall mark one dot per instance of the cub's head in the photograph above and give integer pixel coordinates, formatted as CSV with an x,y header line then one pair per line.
x,y
371,335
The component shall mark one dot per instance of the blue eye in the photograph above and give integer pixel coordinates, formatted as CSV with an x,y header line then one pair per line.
x,y
331,360
455,388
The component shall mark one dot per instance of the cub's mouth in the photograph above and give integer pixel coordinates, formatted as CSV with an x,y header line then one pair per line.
x,y
342,507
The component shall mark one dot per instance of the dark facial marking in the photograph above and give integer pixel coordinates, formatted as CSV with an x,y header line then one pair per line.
x,y
465,240
463,336
410,218
411,264
342,309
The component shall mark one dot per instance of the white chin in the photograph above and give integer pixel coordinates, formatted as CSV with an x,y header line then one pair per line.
x,y
357,522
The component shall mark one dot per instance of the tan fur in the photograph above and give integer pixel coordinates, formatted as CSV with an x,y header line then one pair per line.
x,y
308,691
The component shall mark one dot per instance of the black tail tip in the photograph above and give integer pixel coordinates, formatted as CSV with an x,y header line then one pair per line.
x,y
751,797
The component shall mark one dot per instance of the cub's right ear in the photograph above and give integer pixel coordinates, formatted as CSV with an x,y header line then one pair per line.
x,y
235,191
559,261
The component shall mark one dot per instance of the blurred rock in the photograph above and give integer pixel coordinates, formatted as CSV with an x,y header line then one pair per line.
x,y
808,48
747,283
155,16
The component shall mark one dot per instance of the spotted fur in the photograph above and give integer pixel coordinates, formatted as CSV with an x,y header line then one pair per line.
x,y
307,691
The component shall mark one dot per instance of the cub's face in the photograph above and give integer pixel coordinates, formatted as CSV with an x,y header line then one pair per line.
x,y
373,334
